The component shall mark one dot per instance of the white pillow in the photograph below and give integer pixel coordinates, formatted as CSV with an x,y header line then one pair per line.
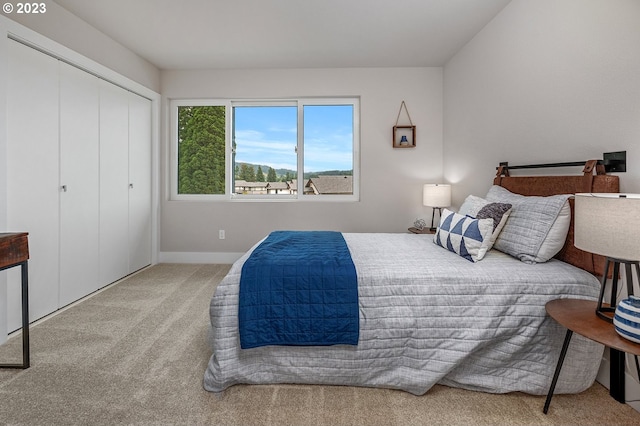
x,y
480,208
557,234
537,227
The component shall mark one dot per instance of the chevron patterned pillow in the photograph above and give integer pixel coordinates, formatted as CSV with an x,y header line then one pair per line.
x,y
464,235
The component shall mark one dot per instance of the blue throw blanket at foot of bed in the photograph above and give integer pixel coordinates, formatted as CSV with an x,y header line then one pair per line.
x,y
299,288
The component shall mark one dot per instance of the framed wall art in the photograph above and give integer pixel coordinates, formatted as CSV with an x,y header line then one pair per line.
x,y
404,136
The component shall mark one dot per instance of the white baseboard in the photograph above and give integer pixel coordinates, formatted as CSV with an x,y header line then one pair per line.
x,y
198,257
631,385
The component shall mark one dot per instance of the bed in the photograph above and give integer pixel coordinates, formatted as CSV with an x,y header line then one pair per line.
x,y
430,316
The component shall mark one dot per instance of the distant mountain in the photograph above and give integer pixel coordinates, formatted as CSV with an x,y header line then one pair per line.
x,y
329,173
283,172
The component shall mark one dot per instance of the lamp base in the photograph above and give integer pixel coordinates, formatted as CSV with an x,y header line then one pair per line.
x,y
433,214
604,311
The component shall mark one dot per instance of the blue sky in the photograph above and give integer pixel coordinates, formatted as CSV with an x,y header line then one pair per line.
x,y
267,135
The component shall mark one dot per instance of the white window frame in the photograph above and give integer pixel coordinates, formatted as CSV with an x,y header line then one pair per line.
x,y
229,169
230,184
174,104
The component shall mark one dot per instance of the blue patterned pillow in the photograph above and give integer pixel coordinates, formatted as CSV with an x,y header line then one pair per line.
x,y
464,235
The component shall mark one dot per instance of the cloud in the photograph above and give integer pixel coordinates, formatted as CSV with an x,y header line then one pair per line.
x,y
257,148
327,147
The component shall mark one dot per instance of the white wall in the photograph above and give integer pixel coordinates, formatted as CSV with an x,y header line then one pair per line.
x,y
67,29
391,179
545,81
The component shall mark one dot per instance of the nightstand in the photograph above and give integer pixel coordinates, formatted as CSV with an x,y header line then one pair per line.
x,y
580,316
421,231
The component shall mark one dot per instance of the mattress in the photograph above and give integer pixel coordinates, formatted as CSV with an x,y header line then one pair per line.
x,y
427,316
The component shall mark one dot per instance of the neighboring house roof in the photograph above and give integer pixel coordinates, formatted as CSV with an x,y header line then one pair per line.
x,y
245,184
331,184
277,185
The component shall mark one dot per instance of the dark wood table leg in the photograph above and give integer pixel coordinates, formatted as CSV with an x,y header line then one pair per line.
x,y
563,353
25,316
25,319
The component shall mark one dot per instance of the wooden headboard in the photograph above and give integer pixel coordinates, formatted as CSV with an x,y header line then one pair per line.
x,y
551,185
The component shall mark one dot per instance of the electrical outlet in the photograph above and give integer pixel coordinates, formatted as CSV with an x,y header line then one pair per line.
x,y
221,234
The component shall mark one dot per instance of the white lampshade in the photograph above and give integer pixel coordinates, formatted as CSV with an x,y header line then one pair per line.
x,y
608,225
436,195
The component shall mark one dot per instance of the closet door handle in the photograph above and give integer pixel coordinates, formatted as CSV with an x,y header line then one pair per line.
x,y
64,188
131,185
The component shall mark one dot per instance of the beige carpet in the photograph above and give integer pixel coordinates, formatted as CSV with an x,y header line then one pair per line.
x,y
136,353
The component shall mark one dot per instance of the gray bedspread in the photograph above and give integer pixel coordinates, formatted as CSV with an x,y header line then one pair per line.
x,y
427,316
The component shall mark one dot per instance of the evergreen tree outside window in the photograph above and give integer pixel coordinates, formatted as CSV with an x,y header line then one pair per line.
x,y
271,175
201,150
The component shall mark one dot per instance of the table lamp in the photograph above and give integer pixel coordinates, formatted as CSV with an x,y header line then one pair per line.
x,y
436,196
609,225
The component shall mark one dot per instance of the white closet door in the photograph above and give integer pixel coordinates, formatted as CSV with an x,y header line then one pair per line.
x,y
32,176
79,181
114,183
139,182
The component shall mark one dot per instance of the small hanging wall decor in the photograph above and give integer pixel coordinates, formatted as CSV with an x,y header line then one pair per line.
x,y
404,136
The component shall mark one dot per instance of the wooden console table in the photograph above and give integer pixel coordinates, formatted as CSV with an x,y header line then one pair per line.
x,y
580,316
14,251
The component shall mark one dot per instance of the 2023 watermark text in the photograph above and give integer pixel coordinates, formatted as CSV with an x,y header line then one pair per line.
x,y
24,8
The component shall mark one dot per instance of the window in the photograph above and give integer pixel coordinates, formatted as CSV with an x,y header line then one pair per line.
x,y
201,149
265,141
284,149
328,148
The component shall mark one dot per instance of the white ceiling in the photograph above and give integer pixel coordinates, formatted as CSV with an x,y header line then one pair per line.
x,y
193,34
